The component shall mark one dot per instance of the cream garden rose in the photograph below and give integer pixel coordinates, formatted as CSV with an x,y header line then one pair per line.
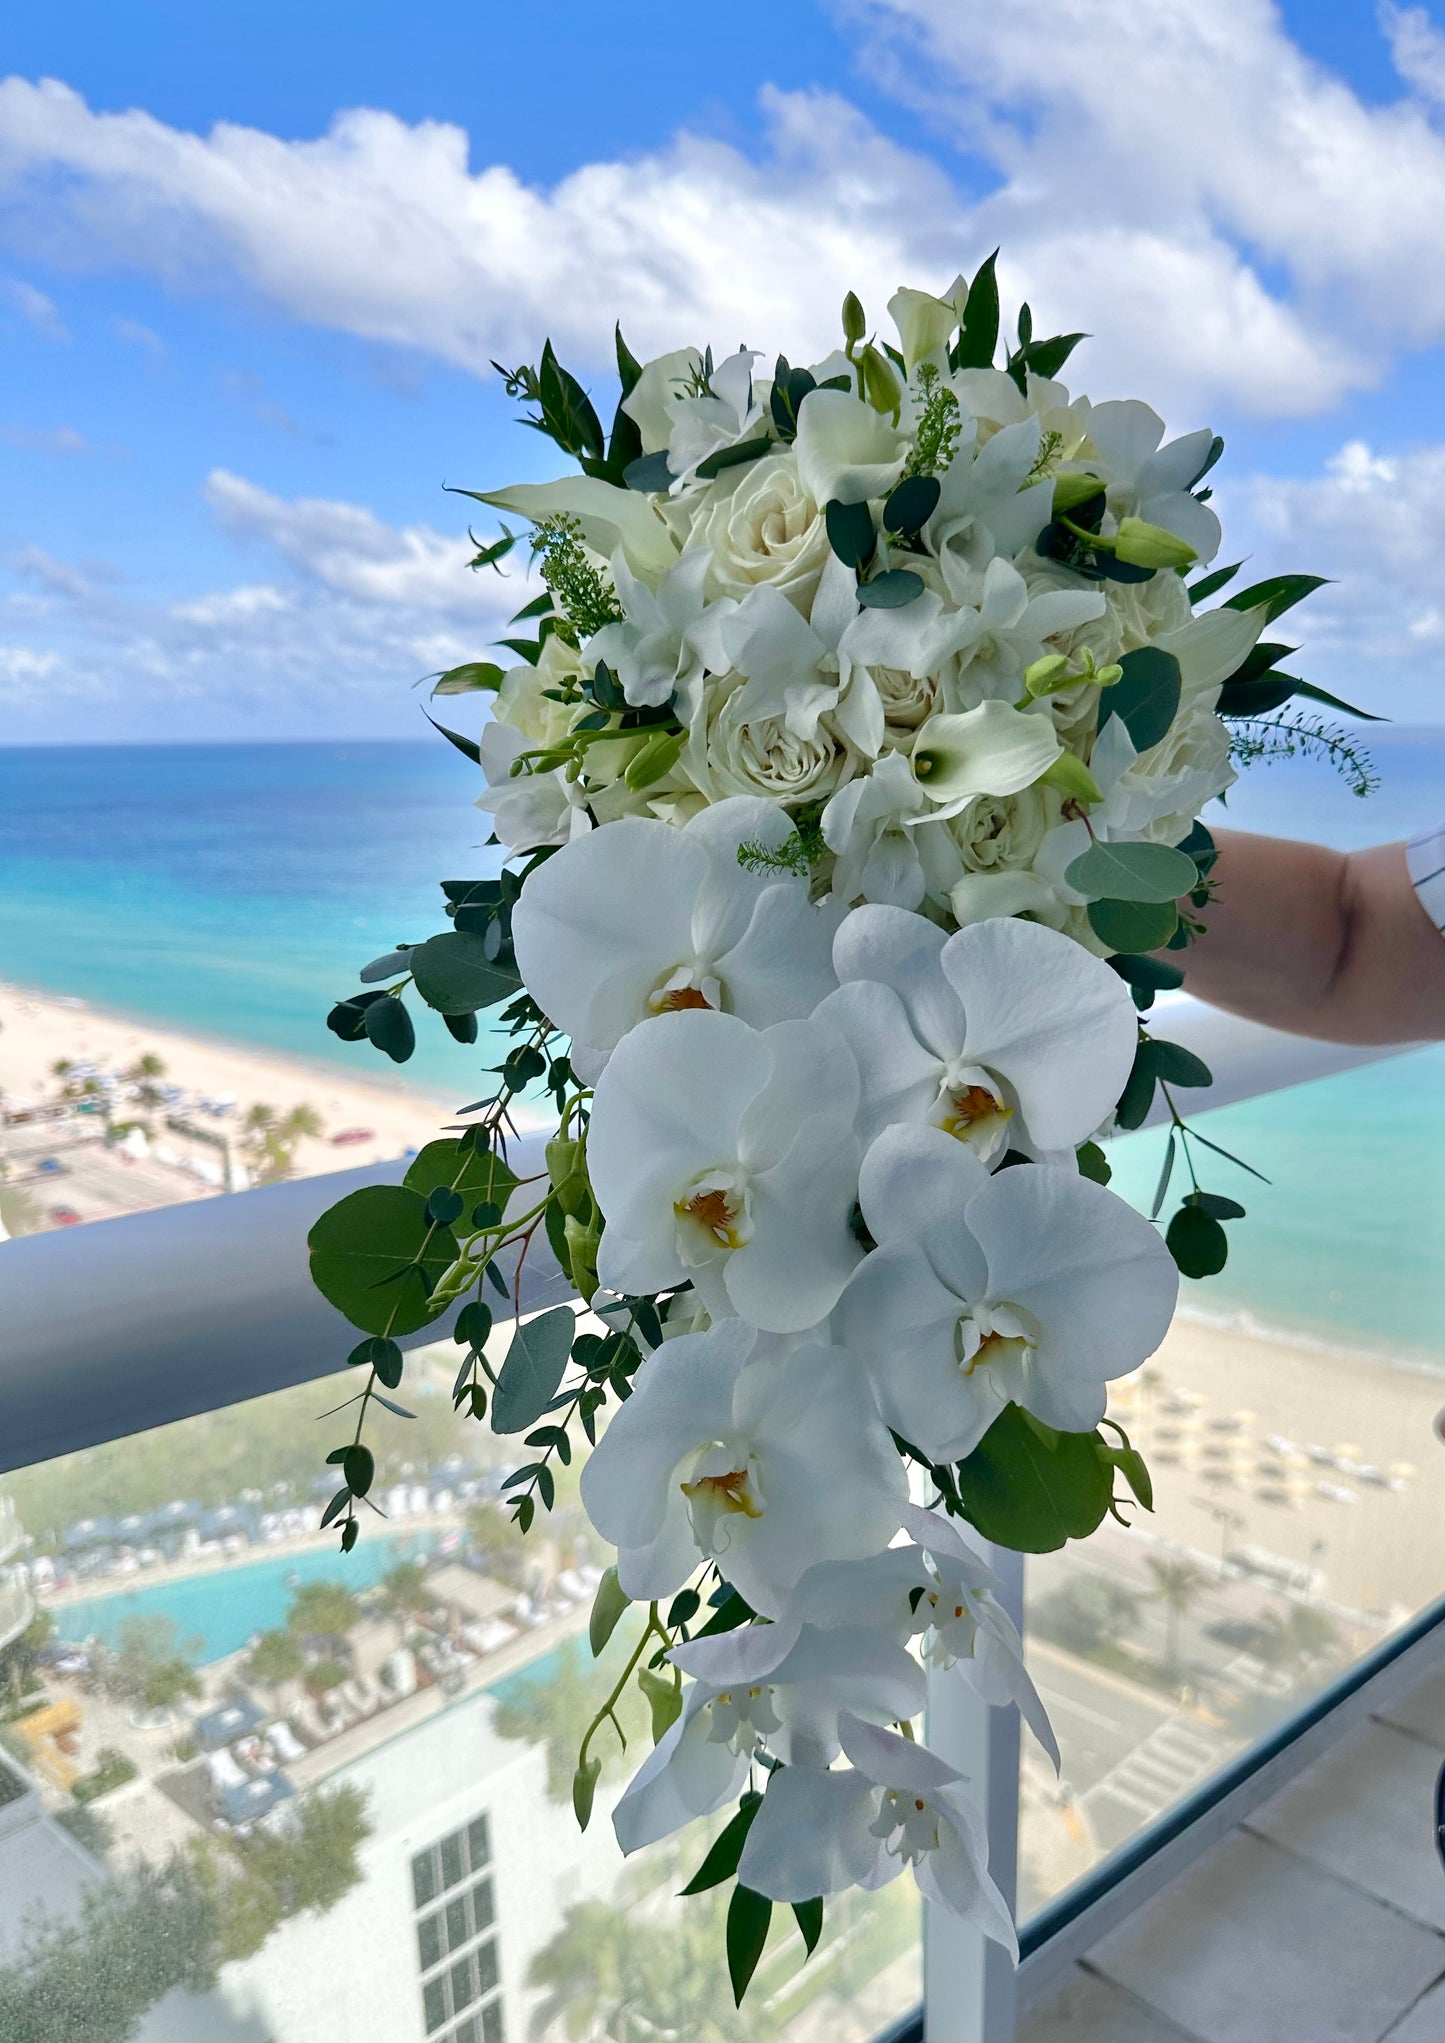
x,y
765,529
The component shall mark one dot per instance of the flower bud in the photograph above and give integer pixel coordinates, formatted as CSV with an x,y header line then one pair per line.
x,y
584,1787
665,1698
1141,544
567,1169
1073,488
581,1239
1051,672
657,757
854,323
1072,777
880,385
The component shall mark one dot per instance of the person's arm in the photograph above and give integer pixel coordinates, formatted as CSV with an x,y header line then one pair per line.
x,y
1322,943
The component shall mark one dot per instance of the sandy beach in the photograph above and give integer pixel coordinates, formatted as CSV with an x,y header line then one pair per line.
x,y
37,1030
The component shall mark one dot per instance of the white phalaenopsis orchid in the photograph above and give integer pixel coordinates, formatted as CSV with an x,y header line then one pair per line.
x,y
760,1458
1005,1034
1146,480
779,1687
643,919
726,1157
795,666
1032,1287
939,1587
896,1805
527,810
658,647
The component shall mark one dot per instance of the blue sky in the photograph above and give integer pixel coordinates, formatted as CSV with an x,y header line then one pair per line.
x,y
252,270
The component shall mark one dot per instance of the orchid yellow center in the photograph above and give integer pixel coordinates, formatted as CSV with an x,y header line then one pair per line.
x,y
679,997
994,1337
972,1110
726,1493
712,1212
686,986
713,1216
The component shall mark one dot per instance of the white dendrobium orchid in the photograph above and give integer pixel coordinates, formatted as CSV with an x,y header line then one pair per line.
x,y
727,1156
658,647
987,504
1004,1033
1001,629
1031,1287
898,1804
726,413
641,919
865,826
1146,480
1155,795
730,1451
779,1686
994,749
528,810
795,666
846,452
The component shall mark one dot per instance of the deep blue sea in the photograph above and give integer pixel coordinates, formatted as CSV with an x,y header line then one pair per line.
x,y
236,889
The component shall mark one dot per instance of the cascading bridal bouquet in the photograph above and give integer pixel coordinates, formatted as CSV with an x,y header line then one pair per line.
x,y
848,795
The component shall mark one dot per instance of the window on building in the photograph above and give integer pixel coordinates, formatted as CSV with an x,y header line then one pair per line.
x,y
457,1957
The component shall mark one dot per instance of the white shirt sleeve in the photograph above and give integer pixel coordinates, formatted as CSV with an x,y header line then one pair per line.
x,y
1425,857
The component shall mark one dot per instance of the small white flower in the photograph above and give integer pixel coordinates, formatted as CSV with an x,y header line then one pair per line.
x,y
658,647
730,1452
795,665
846,452
864,825
641,919
528,810
727,413
1004,1033
1031,1287
727,1156
1149,481
1000,629
988,505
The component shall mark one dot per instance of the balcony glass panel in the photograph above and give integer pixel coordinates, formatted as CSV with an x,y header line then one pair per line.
x,y
1288,1423
350,1776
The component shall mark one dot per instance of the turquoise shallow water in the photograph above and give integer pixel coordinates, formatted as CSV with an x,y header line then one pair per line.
x,y
217,1613
236,889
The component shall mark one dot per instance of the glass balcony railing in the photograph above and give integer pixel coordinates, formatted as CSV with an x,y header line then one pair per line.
x,y
1288,1421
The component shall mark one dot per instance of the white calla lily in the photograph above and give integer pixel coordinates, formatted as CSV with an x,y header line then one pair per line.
x,y
925,323
654,398
727,1156
728,1451
994,749
641,919
1004,1033
1146,480
527,810
609,517
1209,648
1032,1287
846,452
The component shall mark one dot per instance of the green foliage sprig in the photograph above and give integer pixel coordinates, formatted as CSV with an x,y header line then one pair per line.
x,y
585,599
1300,734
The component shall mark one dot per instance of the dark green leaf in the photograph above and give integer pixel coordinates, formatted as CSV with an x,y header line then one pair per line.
x,y
1146,697
1278,594
350,1533
1257,697
1031,1488
749,1915
809,1916
528,1379
376,1257
628,366
1093,1163
1178,1066
474,1323
727,1848
1133,872
1259,659
335,1508
1308,688
685,1605
890,590
1149,972
1197,1242
978,335
1047,357
1211,584
1133,926
445,1205
382,1356
462,1026
850,532
727,1616
384,968
1216,1205
359,1467
475,1173
389,1026
466,746
1138,1094
733,457
348,1018
912,503
468,678
1166,1172
454,974
649,473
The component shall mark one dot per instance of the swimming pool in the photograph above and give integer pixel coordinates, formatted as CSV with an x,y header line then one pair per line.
x,y
225,1608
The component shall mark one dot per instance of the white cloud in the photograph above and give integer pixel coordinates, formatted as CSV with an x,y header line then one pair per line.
x,y
384,230
59,440
35,308
138,335
1417,49
1377,636
356,613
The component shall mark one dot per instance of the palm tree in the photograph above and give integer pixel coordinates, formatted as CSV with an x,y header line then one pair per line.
x,y
1298,1637
326,1609
270,1139
1176,1584
403,1593
275,1657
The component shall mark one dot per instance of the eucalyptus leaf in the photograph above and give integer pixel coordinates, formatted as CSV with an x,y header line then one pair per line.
x,y
532,1371
1132,872
1151,973
1133,926
476,1173
912,503
1178,1066
376,1257
1031,1488
389,1026
850,532
733,457
384,968
454,975
649,473
1145,698
1216,1205
1197,1242
890,590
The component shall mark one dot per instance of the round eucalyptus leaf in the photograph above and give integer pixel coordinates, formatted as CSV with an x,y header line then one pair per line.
x,y
912,503
532,1371
890,590
454,975
850,532
376,1256
1146,696
1132,872
1197,1242
474,1174
384,968
1031,1488
1132,926
389,1026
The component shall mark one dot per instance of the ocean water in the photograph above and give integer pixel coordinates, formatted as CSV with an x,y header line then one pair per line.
x,y
236,889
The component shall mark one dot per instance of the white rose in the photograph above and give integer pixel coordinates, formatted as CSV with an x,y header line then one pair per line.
x,y
520,700
728,755
766,529
1134,613
908,702
1160,795
1002,833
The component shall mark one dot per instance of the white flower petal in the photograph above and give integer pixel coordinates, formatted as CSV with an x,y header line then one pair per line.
x,y
900,1078
845,450
811,1835
685,1776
